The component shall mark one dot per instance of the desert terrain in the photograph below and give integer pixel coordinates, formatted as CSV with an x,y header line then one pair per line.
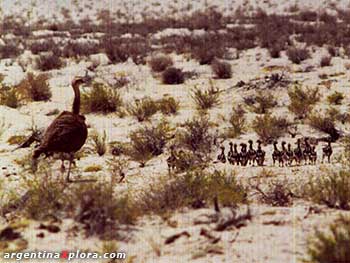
x,y
165,86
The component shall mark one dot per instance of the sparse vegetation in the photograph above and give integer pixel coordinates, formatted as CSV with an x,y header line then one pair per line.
x,y
173,75
206,99
101,99
16,139
35,87
194,189
269,127
302,100
159,63
222,70
143,109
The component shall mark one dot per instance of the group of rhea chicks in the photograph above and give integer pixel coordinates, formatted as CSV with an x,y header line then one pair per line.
x,y
304,152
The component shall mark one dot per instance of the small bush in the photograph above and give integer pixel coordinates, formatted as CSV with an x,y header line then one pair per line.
x,y
336,98
331,245
275,50
160,63
237,121
270,128
35,88
222,70
16,139
168,105
99,142
297,55
324,124
49,62
9,97
194,189
101,99
206,99
143,109
261,102
148,141
196,136
42,46
173,76
331,189
9,50
326,61
302,101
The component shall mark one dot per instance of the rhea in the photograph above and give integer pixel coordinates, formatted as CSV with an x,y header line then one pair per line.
x,y
66,134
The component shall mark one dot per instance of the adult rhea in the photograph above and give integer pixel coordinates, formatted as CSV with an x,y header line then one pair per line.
x,y
67,133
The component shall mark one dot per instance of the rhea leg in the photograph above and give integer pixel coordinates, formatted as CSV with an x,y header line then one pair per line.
x,y
71,160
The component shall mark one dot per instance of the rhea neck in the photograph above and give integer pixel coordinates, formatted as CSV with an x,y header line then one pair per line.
x,y
76,102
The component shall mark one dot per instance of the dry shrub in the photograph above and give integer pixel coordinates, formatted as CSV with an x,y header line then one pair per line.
x,y
324,124
143,109
9,97
42,46
297,55
77,49
331,188
207,47
168,105
331,245
173,75
35,87
148,141
302,100
101,99
161,62
206,99
270,128
49,62
335,98
222,70
237,121
193,189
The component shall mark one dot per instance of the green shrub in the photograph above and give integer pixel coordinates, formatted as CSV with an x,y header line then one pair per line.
x,y
331,245
168,105
237,121
35,87
143,109
330,188
148,141
194,189
101,99
302,100
206,99
261,102
335,98
196,136
270,128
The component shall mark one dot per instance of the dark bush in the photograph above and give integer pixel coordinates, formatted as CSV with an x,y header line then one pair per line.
x,y
297,55
173,76
49,62
326,61
160,63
